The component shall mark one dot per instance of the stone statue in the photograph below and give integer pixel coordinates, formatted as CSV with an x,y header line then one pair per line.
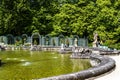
x,y
76,42
62,46
95,40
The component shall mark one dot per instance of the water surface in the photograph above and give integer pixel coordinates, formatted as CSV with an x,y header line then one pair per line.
x,y
32,65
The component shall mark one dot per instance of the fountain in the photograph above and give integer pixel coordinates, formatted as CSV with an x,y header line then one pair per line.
x,y
48,65
38,64
80,52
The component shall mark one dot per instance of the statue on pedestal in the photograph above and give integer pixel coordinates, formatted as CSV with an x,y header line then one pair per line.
x,y
95,42
76,42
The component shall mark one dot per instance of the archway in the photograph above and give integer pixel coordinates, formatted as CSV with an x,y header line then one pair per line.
x,y
24,38
10,39
35,39
3,39
75,40
18,40
47,40
61,39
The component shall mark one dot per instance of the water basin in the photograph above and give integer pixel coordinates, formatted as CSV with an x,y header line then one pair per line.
x,y
36,65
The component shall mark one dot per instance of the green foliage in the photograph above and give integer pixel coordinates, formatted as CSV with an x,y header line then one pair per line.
x,y
67,17
35,31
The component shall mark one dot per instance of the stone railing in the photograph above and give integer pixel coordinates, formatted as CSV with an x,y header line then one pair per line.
x,y
105,65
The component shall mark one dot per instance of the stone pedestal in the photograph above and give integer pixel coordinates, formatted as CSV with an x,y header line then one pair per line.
x,y
94,44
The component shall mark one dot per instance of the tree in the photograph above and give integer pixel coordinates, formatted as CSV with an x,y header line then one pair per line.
x,y
67,17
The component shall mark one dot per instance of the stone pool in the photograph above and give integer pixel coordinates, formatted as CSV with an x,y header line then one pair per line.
x,y
35,65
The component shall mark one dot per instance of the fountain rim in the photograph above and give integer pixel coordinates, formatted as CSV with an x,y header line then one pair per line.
x,y
106,64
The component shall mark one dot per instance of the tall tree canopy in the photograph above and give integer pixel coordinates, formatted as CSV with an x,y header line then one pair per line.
x,y
68,17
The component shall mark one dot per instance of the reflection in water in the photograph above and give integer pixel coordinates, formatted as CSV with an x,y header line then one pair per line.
x,y
77,64
55,57
31,53
22,60
62,59
52,53
15,59
116,73
26,63
7,58
31,65
11,58
80,64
